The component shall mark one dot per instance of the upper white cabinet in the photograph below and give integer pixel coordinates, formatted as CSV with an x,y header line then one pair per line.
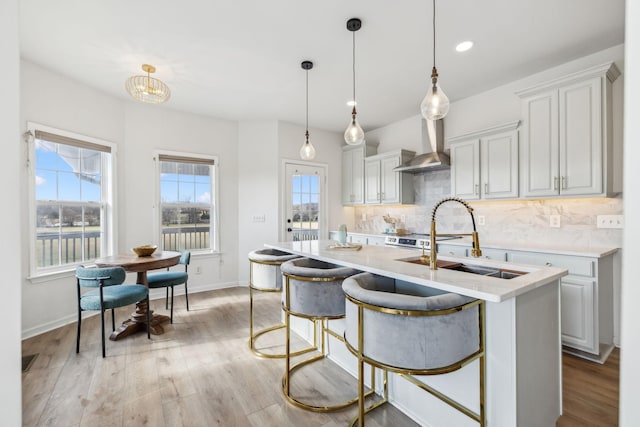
x,y
484,164
566,147
353,172
383,185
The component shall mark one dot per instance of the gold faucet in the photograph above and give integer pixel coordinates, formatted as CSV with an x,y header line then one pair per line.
x,y
475,249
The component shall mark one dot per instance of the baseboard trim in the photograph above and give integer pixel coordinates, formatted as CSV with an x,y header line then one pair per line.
x,y
154,295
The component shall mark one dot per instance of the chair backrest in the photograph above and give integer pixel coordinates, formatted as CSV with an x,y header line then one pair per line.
x,y
185,258
89,277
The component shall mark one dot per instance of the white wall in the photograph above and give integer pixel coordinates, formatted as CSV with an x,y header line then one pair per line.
x,y
630,353
258,174
263,146
137,129
10,251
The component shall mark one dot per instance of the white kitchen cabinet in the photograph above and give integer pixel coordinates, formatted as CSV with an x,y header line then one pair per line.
x,y
586,295
484,164
383,185
353,171
375,240
567,135
453,250
587,300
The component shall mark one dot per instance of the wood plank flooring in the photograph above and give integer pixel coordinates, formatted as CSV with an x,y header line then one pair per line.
x,y
202,373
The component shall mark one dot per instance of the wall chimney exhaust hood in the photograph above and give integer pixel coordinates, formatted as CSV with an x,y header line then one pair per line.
x,y
436,159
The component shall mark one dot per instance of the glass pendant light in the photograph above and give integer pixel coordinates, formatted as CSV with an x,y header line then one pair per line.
x,y
435,104
307,151
354,135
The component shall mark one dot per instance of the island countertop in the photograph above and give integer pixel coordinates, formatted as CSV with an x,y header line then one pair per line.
x,y
387,261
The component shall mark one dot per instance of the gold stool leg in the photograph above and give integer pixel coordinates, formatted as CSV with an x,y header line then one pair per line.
x,y
290,369
254,336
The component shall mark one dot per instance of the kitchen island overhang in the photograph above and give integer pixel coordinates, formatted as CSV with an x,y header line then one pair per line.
x,y
524,381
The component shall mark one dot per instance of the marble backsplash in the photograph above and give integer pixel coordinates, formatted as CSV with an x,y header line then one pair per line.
x,y
517,221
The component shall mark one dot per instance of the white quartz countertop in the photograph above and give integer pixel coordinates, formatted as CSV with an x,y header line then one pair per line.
x,y
592,252
387,261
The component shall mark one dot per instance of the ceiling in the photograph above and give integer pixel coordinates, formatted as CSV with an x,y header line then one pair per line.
x,y
240,59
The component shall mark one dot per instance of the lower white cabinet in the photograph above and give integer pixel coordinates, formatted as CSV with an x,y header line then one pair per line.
x,y
453,250
578,311
587,300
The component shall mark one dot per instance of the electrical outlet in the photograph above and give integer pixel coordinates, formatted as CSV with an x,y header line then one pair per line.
x,y
198,269
554,221
364,216
480,219
610,221
402,219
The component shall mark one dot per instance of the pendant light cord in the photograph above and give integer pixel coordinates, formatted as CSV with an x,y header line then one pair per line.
x,y
353,56
434,33
307,101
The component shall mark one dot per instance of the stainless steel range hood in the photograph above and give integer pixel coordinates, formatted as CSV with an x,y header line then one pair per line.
x,y
433,139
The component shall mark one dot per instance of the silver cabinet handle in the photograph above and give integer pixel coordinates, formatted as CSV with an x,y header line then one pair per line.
x,y
564,182
555,182
477,188
486,188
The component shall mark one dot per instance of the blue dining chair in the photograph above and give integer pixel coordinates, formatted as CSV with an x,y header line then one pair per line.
x,y
109,293
168,279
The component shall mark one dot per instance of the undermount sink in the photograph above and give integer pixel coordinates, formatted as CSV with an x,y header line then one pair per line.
x,y
467,268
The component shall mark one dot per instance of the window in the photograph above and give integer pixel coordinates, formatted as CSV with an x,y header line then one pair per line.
x,y
71,187
188,202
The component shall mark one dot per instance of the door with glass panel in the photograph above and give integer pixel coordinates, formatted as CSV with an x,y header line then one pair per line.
x,y
305,213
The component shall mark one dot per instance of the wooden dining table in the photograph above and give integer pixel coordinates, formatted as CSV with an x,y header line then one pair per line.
x,y
133,263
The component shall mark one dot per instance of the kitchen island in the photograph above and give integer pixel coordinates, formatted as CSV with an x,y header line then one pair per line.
x,y
523,350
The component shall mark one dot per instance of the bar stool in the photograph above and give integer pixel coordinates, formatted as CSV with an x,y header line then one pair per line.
x,y
265,276
412,330
313,290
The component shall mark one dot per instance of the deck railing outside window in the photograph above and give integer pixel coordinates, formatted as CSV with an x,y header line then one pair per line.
x,y
67,247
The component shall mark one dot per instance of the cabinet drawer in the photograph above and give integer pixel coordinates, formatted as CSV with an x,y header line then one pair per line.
x,y
358,239
453,250
576,265
495,254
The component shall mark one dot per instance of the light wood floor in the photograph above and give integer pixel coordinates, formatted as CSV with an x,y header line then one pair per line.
x,y
201,373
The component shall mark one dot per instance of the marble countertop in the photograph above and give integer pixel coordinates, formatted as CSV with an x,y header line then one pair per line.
x,y
387,261
593,252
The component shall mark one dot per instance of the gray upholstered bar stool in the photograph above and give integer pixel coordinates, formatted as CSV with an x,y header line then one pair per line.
x,y
265,276
312,290
412,330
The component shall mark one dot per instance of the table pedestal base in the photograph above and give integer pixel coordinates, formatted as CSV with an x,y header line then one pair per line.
x,y
138,322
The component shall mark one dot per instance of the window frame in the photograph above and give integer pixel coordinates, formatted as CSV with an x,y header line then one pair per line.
x,y
108,196
214,232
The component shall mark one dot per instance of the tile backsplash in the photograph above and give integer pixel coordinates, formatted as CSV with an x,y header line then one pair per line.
x,y
517,221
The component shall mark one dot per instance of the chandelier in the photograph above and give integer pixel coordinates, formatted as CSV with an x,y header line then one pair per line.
x,y
147,88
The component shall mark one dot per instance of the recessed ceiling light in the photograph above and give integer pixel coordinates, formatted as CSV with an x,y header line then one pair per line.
x,y
351,103
464,46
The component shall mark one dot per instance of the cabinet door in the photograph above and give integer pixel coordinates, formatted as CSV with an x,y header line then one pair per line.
x,y
581,138
389,180
465,169
347,177
578,314
357,176
499,166
372,181
540,145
